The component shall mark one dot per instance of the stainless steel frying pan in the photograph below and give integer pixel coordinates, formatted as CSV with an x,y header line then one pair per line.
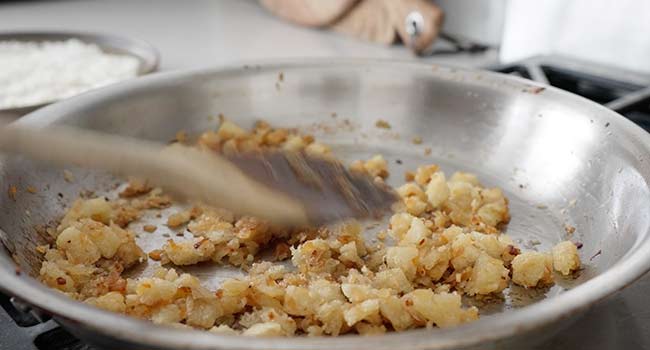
x,y
561,160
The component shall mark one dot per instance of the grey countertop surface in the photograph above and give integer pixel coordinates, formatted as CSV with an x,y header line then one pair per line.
x,y
201,33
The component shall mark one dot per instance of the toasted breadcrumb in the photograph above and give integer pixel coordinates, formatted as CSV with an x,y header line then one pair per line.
x,y
181,136
446,244
532,269
376,166
11,192
565,257
136,187
156,254
68,176
382,124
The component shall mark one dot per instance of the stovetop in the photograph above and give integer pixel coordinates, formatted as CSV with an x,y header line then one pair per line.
x,y
625,92
20,330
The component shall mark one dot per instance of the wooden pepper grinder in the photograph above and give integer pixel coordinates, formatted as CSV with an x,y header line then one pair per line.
x,y
416,22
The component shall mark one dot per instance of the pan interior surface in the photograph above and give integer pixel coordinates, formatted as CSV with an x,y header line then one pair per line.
x,y
560,160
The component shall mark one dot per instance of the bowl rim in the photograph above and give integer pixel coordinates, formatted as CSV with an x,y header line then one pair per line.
x,y
634,264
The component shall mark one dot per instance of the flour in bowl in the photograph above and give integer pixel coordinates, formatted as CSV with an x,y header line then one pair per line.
x,y
32,73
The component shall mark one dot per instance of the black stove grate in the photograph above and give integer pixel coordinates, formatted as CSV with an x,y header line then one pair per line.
x,y
59,339
21,330
604,85
597,89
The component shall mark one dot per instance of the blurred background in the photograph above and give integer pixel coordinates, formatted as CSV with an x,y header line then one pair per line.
x,y
596,48
208,32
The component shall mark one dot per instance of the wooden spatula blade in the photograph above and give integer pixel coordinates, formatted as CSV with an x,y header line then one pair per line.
x,y
327,190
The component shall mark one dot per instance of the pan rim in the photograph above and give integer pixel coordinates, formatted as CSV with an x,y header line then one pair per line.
x,y
636,260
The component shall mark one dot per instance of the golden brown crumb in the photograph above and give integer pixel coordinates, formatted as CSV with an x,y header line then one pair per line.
x,y
181,136
11,192
532,269
156,254
178,219
183,217
68,176
565,257
125,214
282,251
357,166
31,189
382,124
409,176
276,137
262,125
446,236
427,151
308,138
376,166
136,187
417,140
157,202
512,250
569,229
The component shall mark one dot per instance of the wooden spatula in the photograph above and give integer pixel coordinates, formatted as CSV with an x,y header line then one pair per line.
x,y
285,188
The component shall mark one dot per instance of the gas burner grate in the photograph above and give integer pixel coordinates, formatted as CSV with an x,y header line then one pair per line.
x,y
598,89
59,339
624,92
20,329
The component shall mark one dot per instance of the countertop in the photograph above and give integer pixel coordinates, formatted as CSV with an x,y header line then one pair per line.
x,y
201,33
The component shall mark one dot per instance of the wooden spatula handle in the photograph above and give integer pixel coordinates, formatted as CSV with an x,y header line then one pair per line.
x,y
181,170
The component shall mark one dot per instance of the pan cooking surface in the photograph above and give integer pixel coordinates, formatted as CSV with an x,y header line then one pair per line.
x,y
534,226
